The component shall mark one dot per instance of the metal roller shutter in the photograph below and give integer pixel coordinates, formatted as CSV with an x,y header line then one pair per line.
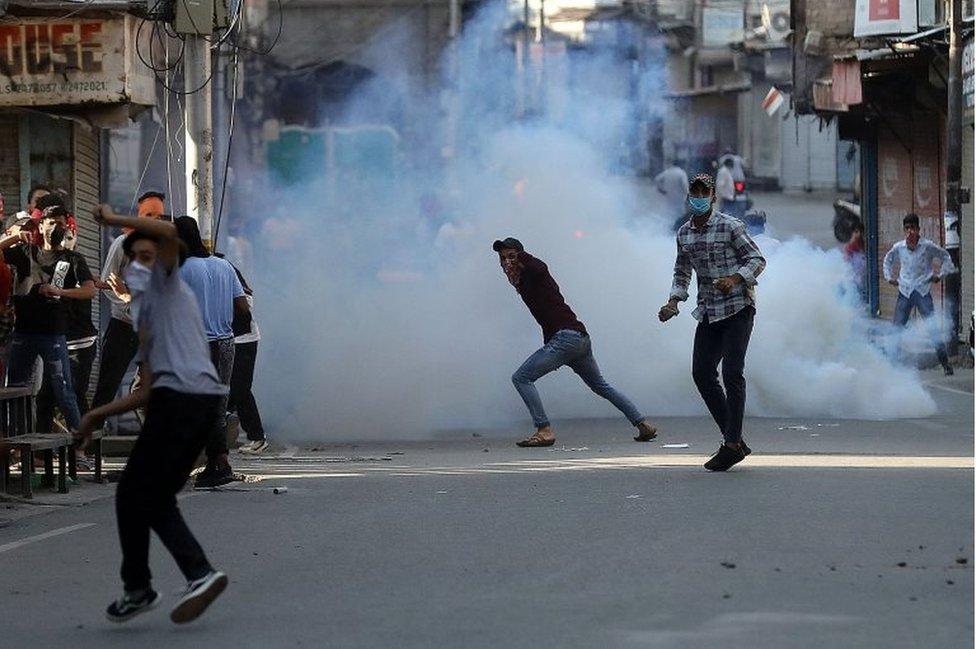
x,y
10,164
85,193
967,232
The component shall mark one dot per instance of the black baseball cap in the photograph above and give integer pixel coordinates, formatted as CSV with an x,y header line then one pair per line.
x,y
510,243
702,179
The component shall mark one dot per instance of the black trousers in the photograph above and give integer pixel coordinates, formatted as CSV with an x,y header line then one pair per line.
x,y
222,357
176,430
725,341
81,367
119,347
241,397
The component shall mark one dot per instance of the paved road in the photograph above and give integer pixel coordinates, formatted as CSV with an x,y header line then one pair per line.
x,y
597,542
466,541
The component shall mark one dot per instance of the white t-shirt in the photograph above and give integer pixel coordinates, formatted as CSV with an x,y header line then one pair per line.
x,y
255,334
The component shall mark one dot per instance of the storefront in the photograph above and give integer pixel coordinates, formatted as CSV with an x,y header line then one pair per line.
x,y
66,80
966,251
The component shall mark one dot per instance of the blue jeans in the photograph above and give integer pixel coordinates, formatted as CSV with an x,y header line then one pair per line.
x,y
925,307
570,348
53,350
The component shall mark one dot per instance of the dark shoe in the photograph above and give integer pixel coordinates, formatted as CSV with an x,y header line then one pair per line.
x,y
645,432
211,477
198,596
745,449
948,370
125,608
725,458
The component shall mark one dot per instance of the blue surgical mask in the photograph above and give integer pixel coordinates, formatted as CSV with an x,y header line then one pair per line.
x,y
699,206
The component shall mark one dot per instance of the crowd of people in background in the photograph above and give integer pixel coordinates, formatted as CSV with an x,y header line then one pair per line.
x,y
48,339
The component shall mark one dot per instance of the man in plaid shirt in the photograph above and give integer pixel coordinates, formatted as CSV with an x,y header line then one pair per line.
x,y
727,263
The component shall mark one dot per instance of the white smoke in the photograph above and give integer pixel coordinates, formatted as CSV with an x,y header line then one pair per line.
x,y
373,327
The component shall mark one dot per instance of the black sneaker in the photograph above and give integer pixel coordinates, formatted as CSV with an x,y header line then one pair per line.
x,y
745,449
198,596
125,608
725,458
948,370
210,478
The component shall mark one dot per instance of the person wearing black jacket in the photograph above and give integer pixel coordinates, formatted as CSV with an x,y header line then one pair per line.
x,y
566,342
81,337
48,276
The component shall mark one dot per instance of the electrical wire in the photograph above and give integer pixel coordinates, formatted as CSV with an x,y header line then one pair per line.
x,y
281,22
152,150
83,6
230,142
169,144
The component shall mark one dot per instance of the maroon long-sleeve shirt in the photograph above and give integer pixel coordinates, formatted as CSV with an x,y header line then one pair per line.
x,y
541,294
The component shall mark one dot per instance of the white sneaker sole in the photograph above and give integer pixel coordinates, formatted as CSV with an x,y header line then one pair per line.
x,y
192,605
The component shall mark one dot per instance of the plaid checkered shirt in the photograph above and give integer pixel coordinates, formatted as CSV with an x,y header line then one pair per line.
x,y
719,249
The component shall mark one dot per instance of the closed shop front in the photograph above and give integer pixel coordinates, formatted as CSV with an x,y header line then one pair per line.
x,y
966,251
63,155
809,153
966,248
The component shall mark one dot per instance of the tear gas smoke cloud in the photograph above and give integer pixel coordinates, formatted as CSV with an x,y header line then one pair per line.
x,y
374,327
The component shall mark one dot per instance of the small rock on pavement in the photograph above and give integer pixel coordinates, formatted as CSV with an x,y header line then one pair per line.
x,y
950,582
962,561
902,564
726,596
912,599
726,564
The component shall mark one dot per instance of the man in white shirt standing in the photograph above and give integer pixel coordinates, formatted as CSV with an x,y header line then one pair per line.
x,y
725,187
916,274
672,184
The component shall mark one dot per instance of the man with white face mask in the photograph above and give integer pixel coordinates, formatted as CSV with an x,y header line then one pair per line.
x,y
80,335
183,396
47,277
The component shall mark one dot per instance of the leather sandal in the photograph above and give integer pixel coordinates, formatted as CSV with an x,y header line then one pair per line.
x,y
535,441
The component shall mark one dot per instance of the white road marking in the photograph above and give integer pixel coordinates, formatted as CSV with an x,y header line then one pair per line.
x,y
46,535
948,389
627,462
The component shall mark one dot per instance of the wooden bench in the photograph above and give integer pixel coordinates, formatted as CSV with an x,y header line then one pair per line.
x,y
28,445
96,446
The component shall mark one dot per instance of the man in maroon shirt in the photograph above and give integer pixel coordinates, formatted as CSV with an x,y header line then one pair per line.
x,y
566,343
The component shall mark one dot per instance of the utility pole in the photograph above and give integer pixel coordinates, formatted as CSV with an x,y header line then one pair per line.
x,y
954,198
195,19
454,68
523,63
220,133
453,97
